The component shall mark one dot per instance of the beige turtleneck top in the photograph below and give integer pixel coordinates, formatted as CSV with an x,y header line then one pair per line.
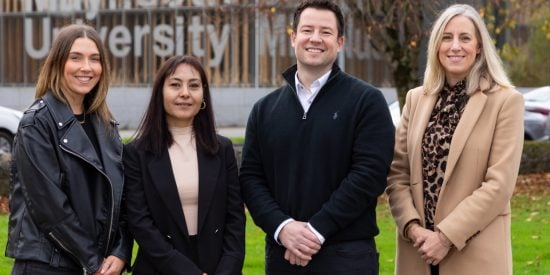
x,y
183,157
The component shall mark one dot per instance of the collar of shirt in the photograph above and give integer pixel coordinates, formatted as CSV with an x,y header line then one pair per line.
x,y
307,96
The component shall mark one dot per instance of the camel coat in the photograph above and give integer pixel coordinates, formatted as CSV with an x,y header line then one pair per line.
x,y
473,209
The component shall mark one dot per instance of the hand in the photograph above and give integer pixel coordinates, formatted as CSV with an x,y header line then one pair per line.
x,y
294,260
432,248
112,265
299,240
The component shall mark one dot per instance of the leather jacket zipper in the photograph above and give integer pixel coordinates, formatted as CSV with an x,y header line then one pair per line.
x,y
60,243
112,198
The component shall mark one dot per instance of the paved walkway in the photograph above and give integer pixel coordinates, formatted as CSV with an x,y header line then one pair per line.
x,y
229,132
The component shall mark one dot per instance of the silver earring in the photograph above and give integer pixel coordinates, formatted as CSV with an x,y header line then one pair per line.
x,y
203,105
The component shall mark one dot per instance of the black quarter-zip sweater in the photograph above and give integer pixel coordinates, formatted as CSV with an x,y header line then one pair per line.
x,y
326,166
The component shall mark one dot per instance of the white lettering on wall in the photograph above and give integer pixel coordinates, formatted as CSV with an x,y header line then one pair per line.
x,y
164,45
46,43
218,43
273,31
120,40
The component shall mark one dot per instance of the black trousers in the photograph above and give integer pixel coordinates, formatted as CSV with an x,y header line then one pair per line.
x,y
21,267
351,258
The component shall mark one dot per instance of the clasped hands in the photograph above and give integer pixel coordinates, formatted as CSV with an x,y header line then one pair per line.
x,y
111,265
300,243
432,246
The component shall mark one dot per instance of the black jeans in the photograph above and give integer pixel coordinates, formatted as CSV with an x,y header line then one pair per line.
x,y
351,258
21,267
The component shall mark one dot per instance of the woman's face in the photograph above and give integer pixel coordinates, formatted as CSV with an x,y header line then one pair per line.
x,y
82,69
459,48
183,96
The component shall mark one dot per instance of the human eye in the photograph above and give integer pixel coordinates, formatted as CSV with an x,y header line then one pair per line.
x,y
74,57
466,38
174,84
95,58
447,37
194,86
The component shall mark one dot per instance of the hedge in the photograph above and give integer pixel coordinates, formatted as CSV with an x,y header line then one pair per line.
x,y
535,159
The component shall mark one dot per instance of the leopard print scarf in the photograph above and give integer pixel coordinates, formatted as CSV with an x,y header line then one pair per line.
x,y
437,141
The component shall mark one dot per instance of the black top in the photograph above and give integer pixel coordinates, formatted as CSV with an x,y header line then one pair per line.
x,y
326,166
90,131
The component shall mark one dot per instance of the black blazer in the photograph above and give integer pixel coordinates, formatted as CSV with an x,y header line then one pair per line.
x,y
157,221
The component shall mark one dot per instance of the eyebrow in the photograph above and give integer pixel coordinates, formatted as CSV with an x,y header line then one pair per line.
x,y
181,80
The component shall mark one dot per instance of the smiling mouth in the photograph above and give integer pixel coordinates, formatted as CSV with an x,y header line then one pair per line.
x,y
314,50
184,104
455,57
84,79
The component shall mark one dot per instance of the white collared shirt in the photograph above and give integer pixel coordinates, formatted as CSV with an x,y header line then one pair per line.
x,y
307,96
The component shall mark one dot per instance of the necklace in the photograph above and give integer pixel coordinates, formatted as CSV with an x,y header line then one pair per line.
x,y
81,118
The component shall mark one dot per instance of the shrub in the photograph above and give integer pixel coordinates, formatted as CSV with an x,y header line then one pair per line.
x,y
535,157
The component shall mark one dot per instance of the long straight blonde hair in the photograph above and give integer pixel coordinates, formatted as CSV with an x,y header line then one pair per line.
x,y
51,74
487,72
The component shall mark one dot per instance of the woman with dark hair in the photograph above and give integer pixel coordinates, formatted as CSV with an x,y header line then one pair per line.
x,y
183,196
66,190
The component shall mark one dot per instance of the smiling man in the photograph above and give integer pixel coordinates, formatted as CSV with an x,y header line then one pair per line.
x,y
316,155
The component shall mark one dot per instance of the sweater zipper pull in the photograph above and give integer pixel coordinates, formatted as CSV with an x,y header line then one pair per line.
x,y
304,116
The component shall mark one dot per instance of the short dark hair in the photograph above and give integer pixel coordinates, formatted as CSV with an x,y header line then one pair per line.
x,y
320,5
153,133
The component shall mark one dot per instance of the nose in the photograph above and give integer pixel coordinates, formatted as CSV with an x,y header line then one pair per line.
x,y
455,46
184,91
86,66
315,36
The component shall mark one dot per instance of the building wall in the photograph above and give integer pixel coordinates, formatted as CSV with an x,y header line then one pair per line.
x,y
242,43
231,105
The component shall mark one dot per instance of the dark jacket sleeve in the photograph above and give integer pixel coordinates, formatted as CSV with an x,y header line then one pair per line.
x,y
232,258
265,211
151,241
41,179
124,242
371,159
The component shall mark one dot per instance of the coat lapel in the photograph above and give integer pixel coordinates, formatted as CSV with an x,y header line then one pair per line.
x,y
161,172
421,116
209,169
469,118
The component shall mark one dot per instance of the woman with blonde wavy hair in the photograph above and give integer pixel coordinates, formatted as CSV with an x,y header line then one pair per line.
x,y
457,154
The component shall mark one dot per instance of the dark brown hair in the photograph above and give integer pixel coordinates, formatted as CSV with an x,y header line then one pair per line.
x,y
153,133
320,5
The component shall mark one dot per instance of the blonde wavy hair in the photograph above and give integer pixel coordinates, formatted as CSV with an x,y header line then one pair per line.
x,y
487,72
51,75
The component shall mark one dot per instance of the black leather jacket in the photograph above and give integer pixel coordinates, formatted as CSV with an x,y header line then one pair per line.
x,y
65,199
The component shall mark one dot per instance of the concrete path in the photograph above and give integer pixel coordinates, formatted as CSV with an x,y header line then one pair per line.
x,y
230,132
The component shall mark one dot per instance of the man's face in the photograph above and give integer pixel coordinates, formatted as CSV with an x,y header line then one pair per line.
x,y
315,41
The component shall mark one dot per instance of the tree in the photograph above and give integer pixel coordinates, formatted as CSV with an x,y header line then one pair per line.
x,y
395,29
399,29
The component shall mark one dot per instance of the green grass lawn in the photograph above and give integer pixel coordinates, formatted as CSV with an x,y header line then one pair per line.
x,y
530,239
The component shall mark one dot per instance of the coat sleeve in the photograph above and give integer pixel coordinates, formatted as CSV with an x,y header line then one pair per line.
x,y
232,258
479,209
371,157
398,191
265,211
152,243
42,179
124,242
